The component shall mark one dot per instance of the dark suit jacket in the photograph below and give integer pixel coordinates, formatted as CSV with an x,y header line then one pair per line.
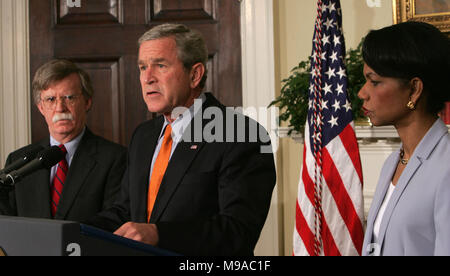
x,y
214,197
92,183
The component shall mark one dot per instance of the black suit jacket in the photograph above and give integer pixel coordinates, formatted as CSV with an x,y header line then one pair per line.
x,y
91,185
214,197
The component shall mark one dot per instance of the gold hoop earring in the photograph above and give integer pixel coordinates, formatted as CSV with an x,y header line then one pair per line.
x,y
411,105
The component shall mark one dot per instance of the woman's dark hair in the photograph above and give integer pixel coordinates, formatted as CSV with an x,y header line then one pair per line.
x,y
412,49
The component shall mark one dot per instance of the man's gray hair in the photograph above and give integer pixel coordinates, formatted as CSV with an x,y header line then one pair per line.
x,y
56,70
190,44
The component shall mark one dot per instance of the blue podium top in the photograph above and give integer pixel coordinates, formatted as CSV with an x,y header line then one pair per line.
x,y
100,234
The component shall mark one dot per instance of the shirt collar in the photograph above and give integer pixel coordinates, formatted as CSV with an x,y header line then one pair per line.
x,y
71,146
184,119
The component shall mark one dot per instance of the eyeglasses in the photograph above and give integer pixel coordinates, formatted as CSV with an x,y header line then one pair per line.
x,y
50,101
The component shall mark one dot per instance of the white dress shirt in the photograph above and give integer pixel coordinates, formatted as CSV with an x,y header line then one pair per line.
x,y
178,127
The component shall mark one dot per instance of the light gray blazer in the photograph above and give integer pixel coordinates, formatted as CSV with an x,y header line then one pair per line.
x,y
417,217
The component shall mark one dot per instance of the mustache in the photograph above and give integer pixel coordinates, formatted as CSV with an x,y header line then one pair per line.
x,y
62,116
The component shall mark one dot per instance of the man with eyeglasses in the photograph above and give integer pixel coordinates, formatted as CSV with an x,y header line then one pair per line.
x,y
88,179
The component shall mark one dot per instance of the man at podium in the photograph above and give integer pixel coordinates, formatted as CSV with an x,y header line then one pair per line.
x,y
195,184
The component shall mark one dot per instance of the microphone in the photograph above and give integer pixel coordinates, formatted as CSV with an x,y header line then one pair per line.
x,y
45,160
29,155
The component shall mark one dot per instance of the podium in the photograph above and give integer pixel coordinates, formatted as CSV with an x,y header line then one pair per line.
x,y
43,237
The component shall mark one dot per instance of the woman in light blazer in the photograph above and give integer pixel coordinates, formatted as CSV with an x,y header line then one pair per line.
x,y
407,75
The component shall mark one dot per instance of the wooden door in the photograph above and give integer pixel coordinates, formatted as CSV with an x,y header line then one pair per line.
x,y
101,37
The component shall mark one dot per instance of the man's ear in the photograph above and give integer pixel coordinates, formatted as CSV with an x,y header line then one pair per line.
x,y
40,107
197,73
88,104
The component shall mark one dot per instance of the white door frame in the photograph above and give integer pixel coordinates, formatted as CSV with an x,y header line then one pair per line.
x,y
15,126
258,82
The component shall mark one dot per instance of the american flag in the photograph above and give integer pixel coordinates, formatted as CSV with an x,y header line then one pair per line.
x,y
330,209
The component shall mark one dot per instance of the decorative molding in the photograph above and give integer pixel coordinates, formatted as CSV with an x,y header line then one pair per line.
x,y
369,132
14,76
364,134
283,132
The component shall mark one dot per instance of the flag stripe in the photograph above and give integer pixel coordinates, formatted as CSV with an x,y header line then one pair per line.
x,y
303,227
304,231
348,138
343,201
348,174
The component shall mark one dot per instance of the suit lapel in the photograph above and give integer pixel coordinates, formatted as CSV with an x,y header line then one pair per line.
x,y
147,146
404,180
422,152
39,192
40,189
82,164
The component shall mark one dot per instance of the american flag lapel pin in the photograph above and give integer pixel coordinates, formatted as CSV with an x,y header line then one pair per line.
x,y
194,147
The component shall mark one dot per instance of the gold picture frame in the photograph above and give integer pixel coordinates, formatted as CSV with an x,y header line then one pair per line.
x,y
436,12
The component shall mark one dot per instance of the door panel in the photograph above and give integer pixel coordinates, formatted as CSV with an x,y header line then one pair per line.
x,y
183,10
96,12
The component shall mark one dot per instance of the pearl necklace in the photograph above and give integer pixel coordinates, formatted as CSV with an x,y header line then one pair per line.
x,y
403,160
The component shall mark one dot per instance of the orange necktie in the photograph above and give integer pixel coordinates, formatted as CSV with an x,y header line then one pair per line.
x,y
159,169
